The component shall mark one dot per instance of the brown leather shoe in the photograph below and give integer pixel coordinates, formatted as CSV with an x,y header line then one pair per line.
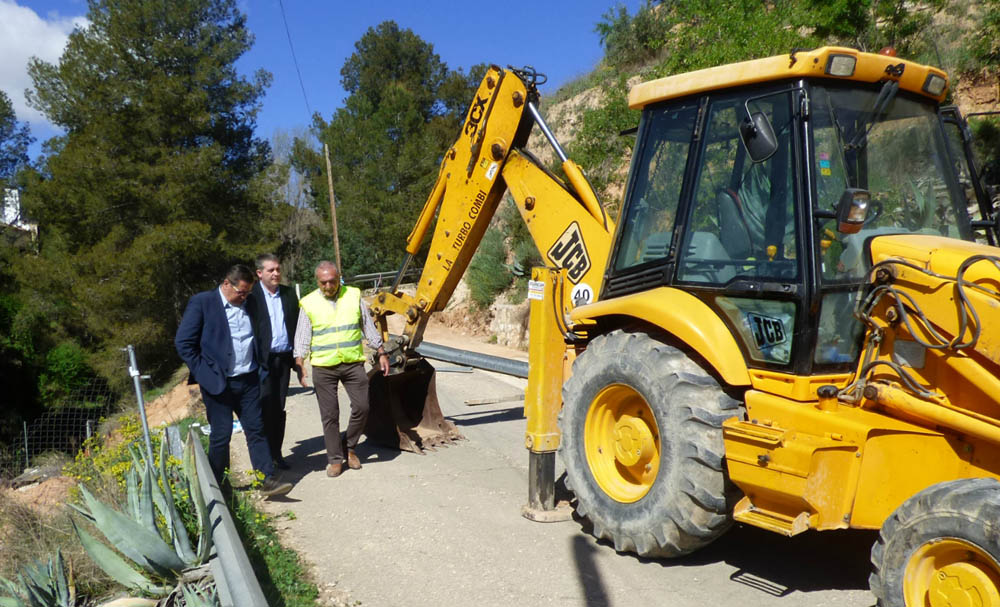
x,y
334,470
352,460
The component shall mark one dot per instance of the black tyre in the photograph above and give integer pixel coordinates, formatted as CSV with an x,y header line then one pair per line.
x,y
642,445
941,547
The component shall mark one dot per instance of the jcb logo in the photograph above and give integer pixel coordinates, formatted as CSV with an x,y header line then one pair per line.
x,y
570,252
767,331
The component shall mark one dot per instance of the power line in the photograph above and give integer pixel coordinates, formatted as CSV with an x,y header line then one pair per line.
x,y
294,59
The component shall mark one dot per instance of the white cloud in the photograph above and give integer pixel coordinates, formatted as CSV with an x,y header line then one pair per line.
x,y
24,34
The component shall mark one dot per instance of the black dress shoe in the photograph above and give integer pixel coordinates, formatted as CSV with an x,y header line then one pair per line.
x,y
272,487
279,462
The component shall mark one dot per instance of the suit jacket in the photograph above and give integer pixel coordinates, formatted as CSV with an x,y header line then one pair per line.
x,y
262,328
203,341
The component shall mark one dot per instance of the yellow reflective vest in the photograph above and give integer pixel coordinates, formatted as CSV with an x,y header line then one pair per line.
x,y
336,330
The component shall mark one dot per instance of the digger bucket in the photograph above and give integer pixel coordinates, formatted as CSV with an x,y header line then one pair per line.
x,y
404,412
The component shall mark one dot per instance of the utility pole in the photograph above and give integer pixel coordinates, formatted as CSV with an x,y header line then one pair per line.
x,y
333,206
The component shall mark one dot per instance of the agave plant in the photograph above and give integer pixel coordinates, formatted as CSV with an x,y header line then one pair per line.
x,y
150,516
199,597
40,585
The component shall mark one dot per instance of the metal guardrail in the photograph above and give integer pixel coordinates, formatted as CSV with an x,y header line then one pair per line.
x,y
379,278
497,364
235,582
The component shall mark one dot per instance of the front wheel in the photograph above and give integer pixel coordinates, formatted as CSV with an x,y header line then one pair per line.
x,y
941,548
642,445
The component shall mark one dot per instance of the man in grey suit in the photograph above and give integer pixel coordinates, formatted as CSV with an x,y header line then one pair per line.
x,y
276,308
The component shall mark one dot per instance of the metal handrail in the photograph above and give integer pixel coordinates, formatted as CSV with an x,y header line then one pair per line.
x,y
235,582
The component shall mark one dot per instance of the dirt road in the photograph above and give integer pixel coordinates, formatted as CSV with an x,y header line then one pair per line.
x,y
445,528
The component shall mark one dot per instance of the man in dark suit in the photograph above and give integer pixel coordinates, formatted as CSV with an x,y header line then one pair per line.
x,y
277,311
216,340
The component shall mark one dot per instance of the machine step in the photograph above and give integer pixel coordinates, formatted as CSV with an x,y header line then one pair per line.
x,y
747,512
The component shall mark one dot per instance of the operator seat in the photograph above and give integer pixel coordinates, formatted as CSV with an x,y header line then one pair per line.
x,y
733,229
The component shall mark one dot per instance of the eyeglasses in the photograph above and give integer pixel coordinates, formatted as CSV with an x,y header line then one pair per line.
x,y
241,293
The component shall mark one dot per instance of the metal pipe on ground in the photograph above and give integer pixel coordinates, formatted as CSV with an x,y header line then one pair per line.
x,y
487,362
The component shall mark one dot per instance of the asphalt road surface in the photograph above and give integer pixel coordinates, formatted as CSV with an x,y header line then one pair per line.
x,y
445,528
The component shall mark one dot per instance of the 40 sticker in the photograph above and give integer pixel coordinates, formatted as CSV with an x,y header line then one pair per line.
x,y
582,294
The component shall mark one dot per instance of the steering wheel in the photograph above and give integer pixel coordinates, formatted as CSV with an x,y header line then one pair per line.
x,y
875,208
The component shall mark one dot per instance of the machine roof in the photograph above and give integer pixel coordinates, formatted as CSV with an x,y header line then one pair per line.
x,y
870,67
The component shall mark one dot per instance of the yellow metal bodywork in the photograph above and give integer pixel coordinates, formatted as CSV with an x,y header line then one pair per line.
x,y
686,317
870,67
547,353
805,464
566,231
801,467
796,387
464,198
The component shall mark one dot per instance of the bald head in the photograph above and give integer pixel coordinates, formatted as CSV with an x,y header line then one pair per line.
x,y
328,278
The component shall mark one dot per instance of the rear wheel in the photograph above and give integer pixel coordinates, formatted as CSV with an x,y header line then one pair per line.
x,y
642,445
941,548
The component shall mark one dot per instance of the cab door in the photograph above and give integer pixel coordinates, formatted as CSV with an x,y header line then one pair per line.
x,y
741,250
967,172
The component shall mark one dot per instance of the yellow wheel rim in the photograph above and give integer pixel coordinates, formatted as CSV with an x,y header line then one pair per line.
x,y
622,443
951,572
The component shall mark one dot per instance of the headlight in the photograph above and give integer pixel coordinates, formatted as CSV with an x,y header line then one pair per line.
x,y
934,85
841,65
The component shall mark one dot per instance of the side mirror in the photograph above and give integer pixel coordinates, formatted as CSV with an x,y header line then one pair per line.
x,y
758,137
852,210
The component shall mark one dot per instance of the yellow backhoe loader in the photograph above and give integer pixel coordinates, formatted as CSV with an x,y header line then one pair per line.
x,y
792,324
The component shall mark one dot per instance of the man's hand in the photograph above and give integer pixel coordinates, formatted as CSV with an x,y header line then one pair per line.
x,y
300,370
383,363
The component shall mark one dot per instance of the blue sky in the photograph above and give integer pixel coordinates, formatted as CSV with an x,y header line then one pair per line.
x,y
556,37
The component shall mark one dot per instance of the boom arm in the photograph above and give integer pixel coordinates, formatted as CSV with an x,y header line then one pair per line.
x,y
933,350
567,223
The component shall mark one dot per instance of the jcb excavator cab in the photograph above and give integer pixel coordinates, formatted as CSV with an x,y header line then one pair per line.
x,y
758,242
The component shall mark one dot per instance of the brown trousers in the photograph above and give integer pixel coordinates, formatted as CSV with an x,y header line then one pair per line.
x,y
355,382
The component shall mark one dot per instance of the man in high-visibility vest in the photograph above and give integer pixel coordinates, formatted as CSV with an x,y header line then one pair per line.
x,y
329,331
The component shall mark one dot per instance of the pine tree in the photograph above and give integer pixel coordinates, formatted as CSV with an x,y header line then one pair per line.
x,y
149,194
404,108
14,141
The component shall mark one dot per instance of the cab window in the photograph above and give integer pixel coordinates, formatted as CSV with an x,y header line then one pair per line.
x,y
742,218
647,230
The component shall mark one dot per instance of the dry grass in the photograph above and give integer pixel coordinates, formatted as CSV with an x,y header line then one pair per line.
x,y
30,533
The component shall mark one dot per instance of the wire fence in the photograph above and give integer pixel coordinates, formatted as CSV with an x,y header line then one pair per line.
x,y
60,430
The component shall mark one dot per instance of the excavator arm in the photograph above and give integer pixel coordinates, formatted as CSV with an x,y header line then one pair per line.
x,y
566,221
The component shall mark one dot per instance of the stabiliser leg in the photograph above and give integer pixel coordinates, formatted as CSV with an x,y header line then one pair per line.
x,y
542,506
542,399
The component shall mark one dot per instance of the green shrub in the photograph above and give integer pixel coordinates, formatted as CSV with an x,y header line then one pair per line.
x,y
518,239
66,370
526,256
985,47
599,147
633,40
488,274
